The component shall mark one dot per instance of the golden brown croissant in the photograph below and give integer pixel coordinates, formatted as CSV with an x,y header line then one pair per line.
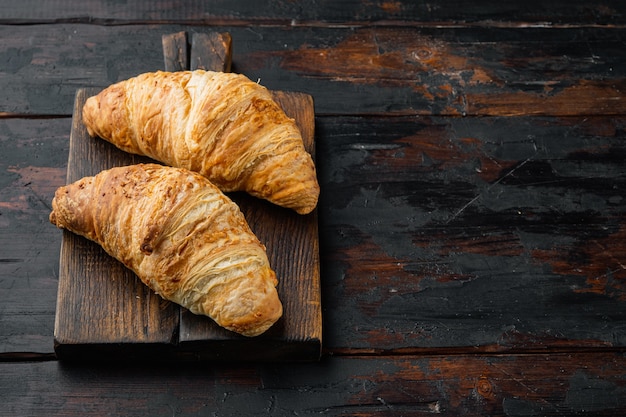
x,y
182,237
221,125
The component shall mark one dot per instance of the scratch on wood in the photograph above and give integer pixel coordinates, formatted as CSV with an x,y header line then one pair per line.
x,y
383,406
473,200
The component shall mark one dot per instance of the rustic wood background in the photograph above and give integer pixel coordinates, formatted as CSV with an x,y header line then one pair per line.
x,y
472,160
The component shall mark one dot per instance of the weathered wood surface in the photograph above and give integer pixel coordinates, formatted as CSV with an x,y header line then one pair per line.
x,y
33,159
500,232
363,70
580,384
471,158
346,12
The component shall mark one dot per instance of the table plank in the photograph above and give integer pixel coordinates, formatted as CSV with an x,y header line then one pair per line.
x,y
350,71
32,166
348,12
446,385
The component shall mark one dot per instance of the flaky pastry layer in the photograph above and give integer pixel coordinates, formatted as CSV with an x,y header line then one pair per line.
x,y
181,236
222,125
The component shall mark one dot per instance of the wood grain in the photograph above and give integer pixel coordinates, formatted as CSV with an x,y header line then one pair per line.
x,y
208,51
497,233
587,384
175,51
391,71
348,12
33,156
211,51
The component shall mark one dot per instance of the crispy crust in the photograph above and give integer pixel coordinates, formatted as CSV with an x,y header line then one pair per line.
x,y
221,125
182,237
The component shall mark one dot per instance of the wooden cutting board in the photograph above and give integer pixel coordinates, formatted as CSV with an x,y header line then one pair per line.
x,y
105,312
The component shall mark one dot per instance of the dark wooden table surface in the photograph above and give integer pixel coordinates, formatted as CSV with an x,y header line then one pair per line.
x,y
472,221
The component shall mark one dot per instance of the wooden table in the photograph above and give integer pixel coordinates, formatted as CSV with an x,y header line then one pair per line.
x,y
472,222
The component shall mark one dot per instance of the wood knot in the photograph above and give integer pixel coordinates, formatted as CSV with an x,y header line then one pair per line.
x,y
422,54
484,388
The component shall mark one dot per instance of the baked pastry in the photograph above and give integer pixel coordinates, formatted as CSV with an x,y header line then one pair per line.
x,y
222,125
181,236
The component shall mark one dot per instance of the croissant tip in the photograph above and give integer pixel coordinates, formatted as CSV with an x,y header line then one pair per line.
x,y
305,210
309,204
267,312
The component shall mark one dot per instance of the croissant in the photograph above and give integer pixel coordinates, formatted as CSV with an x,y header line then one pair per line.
x,y
181,236
222,125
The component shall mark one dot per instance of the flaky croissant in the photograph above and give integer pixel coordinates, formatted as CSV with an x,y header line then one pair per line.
x,y
222,125
181,236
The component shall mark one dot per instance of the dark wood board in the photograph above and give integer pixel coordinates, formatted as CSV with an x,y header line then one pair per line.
x,y
326,12
396,70
104,311
497,233
33,158
567,384
33,155
472,220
